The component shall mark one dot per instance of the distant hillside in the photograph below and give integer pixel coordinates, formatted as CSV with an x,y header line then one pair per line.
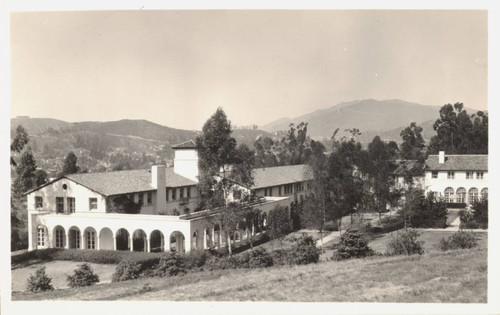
x,y
248,136
36,126
394,134
366,115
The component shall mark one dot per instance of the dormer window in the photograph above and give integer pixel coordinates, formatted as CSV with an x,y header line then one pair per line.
x,y
469,175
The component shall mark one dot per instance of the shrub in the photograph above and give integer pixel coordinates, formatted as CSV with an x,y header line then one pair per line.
x,y
170,265
39,281
405,242
222,263
82,276
259,258
278,222
467,220
425,211
477,218
330,226
304,251
196,258
461,239
352,245
134,267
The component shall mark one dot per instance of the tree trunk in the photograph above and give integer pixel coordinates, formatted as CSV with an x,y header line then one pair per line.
x,y
228,240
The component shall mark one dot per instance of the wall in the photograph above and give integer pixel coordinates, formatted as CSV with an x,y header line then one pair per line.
x,y
79,192
186,163
442,182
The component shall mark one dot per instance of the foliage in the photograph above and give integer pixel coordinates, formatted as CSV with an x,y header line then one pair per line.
x,y
171,264
70,164
460,239
278,222
259,258
82,276
475,218
424,211
39,281
222,263
133,268
196,258
25,170
459,133
413,143
304,251
20,140
122,204
405,242
352,245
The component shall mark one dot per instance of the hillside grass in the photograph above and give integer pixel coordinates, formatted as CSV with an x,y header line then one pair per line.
x,y
454,277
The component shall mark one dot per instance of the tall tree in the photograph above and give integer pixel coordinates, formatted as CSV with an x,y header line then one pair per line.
x,y
18,143
221,166
70,164
26,176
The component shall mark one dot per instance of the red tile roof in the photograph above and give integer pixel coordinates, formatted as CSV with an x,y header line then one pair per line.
x,y
462,162
280,175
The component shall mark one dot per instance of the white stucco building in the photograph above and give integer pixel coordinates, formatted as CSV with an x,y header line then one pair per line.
x,y
74,211
458,178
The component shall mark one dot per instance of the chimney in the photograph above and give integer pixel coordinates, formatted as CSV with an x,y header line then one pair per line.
x,y
441,157
158,181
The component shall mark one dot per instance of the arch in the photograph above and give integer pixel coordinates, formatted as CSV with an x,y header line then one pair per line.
x,y
42,236
89,238
58,237
448,194
177,240
473,194
461,193
156,241
122,238
106,239
484,193
264,221
74,237
217,236
140,241
209,238
194,241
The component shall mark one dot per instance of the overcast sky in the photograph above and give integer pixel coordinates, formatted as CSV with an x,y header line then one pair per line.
x,y
176,67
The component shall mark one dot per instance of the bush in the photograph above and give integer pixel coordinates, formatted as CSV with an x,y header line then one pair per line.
x,y
196,258
170,265
467,220
330,226
82,276
477,218
259,258
459,240
352,245
134,267
304,251
222,263
425,211
39,281
278,222
404,242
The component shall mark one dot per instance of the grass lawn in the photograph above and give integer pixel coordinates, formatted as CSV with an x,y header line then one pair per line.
x,y
57,270
455,276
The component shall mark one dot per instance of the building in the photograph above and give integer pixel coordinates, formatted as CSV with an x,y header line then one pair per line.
x,y
458,178
79,210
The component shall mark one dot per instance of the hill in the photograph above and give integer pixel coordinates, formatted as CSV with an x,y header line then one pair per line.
x,y
394,134
36,126
365,115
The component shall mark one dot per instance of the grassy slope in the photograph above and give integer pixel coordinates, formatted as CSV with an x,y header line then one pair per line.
x,y
457,276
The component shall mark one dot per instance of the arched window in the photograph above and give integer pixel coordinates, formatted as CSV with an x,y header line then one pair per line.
x,y
461,192
59,238
448,194
484,194
473,195
90,239
41,236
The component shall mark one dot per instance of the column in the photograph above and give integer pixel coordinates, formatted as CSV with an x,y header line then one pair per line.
x,y
167,243
66,245
187,243
131,242
114,242
204,239
97,245
82,245
147,245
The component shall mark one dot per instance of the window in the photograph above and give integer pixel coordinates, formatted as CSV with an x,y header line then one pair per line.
x,y
166,193
451,175
59,238
150,198
174,194
181,192
484,193
434,174
90,240
59,205
469,175
188,192
71,205
237,194
92,203
141,199
41,236
461,192
448,194
38,202
479,175
77,239
473,195
288,189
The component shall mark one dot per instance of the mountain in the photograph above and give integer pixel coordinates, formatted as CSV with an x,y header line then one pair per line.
x,y
365,115
395,134
36,126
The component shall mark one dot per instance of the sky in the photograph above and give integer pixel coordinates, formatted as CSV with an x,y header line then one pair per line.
x,y
175,67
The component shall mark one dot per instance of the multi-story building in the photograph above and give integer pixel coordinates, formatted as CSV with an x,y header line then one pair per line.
x,y
458,178
93,210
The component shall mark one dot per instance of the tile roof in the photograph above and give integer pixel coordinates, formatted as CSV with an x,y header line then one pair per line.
x,y
123,182
279,175
190,144
476,162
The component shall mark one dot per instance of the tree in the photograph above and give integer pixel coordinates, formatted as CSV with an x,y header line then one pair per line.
x,y
26,177
413,143
279,224
222,165
70,166
20,140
